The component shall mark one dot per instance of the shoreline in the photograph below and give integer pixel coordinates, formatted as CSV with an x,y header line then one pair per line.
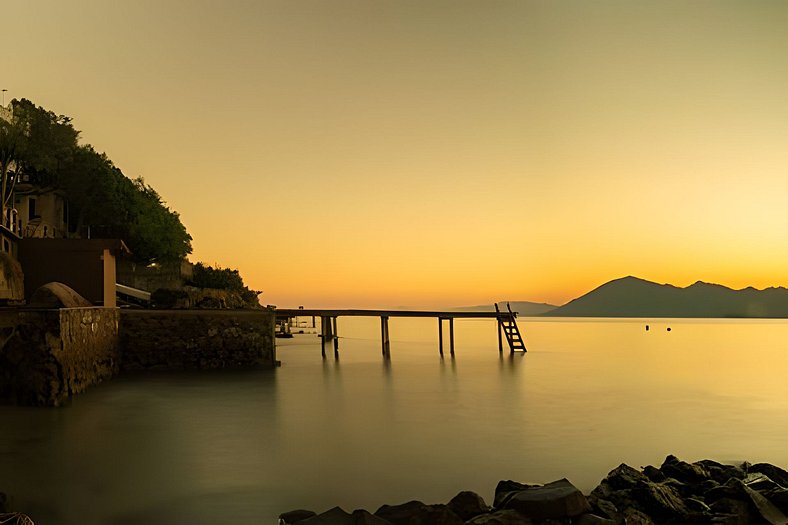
x,y
677,492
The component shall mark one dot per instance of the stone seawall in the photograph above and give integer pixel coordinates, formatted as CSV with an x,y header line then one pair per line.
x,y
196,339
48,355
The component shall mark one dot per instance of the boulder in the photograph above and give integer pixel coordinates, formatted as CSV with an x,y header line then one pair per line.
x,y
719,472
334,516
776,474
500,517
635,517
505,489
294,516
660,501
559,499
768,511
779,497
592,519
468,504
654,474
363,517
620,478
689,473
418,513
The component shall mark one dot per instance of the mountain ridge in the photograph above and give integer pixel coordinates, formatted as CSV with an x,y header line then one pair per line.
x,y
632,296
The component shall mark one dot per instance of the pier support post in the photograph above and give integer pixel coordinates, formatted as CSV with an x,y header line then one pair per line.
x,y
384,336
500,337
325,331
440,335
336,337
451,336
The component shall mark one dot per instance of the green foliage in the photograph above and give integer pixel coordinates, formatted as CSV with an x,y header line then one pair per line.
x,y
49,139
100,196
223,279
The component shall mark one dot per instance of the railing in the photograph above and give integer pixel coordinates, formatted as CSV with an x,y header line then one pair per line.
x,y
11,221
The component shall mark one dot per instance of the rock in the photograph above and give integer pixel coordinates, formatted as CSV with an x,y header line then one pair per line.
x,y
592,519
719,472
294,516
724,508
779,497
468,504
418,513
604,507
558,499
765,508
776,474
363,517
660,501
760,482
654,474
335,516
635,517
623,477
500,517
697,506
504,490
685,472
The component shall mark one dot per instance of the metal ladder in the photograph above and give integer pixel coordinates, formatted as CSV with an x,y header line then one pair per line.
x,y
508,326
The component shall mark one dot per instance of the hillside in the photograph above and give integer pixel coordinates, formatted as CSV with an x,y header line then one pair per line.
x,y
633,297
525,308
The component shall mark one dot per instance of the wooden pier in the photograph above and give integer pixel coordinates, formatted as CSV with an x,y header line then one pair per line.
x,y
507,325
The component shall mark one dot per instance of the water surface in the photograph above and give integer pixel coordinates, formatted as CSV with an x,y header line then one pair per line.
x,y
241,447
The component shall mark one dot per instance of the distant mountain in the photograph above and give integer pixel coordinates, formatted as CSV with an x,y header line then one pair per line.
x,y
633,297
525,308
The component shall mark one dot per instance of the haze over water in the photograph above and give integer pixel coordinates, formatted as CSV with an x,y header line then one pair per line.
x,y
242,447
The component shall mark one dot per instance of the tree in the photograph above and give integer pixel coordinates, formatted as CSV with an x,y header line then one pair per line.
x,y
44,145
205,276
49,140
113,205
10,136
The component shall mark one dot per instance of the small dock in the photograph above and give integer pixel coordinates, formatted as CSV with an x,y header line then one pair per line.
x,y
507,325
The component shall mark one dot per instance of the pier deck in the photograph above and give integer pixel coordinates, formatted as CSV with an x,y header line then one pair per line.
x,y
328,322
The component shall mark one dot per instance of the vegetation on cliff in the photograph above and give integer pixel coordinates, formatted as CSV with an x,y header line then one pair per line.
x,y
44,146
224,279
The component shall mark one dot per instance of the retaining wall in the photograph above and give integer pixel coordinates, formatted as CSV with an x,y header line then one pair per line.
x,y
48,355
196,339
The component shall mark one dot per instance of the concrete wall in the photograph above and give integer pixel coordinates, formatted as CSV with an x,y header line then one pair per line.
x,y
196,339
48,355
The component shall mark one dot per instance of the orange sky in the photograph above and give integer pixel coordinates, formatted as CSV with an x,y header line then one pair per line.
x,y
435,153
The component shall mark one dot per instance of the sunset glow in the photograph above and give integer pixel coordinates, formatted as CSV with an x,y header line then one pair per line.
x,y
358,154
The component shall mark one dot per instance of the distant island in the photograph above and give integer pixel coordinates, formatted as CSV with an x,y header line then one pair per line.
x,y
634,297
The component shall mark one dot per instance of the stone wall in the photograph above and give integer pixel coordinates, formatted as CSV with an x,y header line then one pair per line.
x,y
196,339
48,355
150,278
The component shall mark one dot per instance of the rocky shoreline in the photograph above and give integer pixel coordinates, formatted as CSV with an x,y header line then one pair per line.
x,y
676,493
700,493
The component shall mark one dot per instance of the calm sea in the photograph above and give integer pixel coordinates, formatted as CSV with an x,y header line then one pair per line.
x,y
241,447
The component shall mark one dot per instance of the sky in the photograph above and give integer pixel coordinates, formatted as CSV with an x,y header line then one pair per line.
x,y
435,153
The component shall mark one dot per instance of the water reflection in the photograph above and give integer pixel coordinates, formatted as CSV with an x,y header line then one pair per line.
x,y
364,431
